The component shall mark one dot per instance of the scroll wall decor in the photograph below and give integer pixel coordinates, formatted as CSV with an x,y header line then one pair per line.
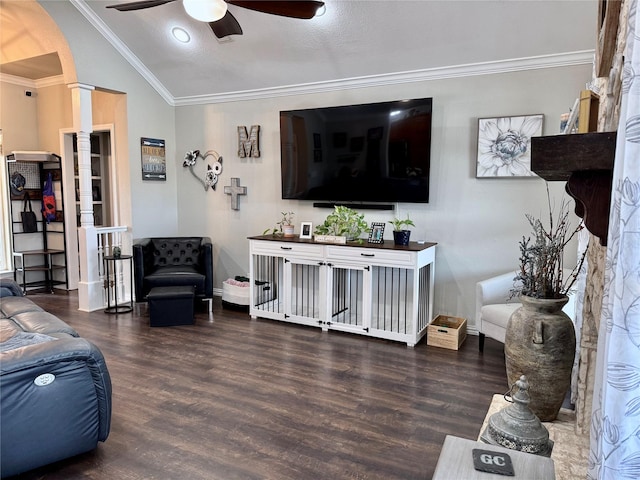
x,y
154,165
210,177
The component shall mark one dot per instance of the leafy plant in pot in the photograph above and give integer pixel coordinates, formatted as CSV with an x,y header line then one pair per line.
x,y
343,221
540,338
401,234
284,227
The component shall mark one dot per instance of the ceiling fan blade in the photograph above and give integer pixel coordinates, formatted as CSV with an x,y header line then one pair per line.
x,y
126,7
285,8
227,25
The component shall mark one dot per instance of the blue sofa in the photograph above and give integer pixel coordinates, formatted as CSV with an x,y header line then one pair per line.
x,y
55,389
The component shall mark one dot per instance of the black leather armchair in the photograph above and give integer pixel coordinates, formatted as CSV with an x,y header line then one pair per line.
x,y
173,261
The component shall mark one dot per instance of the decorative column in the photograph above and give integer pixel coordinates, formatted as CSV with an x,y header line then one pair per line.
x,y
84,178
90,288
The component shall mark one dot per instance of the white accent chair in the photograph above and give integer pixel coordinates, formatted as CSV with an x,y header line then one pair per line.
x,y
493,306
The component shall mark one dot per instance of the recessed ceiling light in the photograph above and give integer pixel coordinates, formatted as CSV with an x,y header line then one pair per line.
x,y
180,34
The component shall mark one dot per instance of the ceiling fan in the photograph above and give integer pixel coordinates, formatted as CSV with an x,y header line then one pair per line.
x,y
221,21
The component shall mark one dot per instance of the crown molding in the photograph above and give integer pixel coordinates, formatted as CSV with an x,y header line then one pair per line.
x,y
50,81
119,45
585,57
27,82
20,81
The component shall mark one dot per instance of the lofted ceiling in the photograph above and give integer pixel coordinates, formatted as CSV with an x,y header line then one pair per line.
x,y
352,40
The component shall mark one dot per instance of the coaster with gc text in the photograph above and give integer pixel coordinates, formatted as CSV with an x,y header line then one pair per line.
x,y
492,462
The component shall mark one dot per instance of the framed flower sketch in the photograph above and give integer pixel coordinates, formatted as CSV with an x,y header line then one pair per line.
x,y
504,145
376,232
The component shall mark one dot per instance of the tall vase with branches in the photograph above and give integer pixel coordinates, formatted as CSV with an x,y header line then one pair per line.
x,y
540,338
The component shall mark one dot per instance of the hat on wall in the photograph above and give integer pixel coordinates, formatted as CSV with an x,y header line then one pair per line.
x,y
17,183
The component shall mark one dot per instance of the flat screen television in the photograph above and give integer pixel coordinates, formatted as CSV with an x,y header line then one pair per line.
x,y
376,152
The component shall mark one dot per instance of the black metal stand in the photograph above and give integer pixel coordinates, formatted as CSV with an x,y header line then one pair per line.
x,y
110,266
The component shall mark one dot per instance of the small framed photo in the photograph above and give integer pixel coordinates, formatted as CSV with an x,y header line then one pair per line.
x,y
306,230
376,232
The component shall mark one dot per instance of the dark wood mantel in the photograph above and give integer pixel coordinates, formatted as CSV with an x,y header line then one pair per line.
x,y
585,162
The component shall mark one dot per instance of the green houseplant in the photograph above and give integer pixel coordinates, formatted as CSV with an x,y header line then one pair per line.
x,y
343,221
401,233
284,227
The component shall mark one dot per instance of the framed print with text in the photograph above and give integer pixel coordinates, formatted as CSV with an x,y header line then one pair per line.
x,y
154,164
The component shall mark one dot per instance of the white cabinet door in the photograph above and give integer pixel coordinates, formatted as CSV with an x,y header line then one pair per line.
x,y
305,291
393,302
267,294
349,288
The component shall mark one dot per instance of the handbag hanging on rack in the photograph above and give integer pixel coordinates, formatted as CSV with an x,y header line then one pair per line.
x,y
48,200
29,222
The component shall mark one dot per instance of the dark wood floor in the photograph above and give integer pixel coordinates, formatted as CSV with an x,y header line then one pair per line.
x,y
234,398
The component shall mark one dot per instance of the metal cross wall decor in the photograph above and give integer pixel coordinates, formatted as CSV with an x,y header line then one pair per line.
x,y
234,190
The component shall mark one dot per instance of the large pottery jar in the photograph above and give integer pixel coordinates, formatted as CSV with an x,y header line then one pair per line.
x,y
541,343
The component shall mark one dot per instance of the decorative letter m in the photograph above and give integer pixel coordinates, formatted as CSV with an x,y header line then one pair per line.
x,y
248,144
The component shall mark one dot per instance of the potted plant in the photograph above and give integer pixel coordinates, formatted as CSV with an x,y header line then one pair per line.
x,y
284,226
400,233
343,221
540,338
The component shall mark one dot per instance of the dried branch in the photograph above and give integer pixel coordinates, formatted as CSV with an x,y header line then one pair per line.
x,y
541,259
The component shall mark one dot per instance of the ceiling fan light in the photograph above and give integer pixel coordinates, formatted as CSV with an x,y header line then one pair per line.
x,y
205,10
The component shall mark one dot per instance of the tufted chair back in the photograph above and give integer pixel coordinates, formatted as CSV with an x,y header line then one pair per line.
x,y
176,251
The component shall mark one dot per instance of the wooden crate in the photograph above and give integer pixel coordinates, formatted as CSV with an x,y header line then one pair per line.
x,y
447,332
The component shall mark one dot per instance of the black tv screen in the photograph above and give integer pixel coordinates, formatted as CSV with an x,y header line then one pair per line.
x,y
377,152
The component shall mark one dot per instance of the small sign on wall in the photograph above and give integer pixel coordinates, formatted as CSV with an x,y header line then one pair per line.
x,y
154,164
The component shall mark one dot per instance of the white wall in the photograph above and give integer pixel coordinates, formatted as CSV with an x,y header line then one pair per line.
x,y
477,223
152,205
18,118
18,121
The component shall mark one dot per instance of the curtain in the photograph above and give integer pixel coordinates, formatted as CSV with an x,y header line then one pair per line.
x,y
615,427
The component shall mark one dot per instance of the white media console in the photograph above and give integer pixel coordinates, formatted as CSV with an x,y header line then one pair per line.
x,y
379,290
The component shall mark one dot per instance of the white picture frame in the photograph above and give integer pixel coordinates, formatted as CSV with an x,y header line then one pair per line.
x,y
306,230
